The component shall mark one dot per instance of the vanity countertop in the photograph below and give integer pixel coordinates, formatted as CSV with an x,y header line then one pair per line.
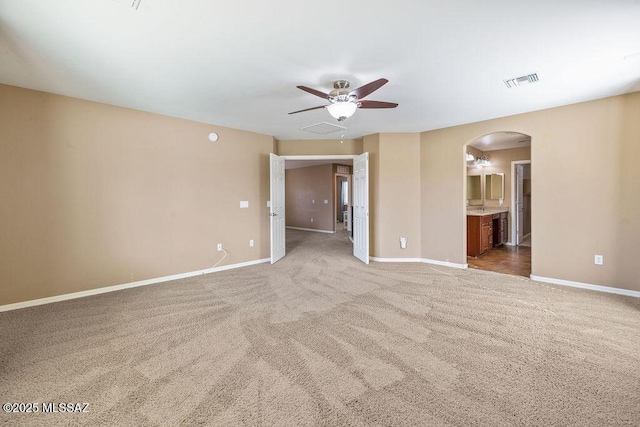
x,y
486,211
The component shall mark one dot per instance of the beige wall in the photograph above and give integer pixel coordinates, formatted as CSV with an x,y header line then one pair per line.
x,y
95,195
398,195
585,181
319,147
306,189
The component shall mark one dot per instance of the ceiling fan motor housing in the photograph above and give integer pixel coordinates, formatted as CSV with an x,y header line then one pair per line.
x,y
341,92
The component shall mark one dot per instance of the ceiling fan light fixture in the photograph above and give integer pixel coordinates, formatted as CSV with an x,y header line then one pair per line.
x,y
342,110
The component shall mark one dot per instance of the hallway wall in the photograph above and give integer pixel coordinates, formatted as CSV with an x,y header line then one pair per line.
x,y
306,190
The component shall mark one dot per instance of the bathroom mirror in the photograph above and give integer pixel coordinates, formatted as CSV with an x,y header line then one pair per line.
x,y
494,186
474,190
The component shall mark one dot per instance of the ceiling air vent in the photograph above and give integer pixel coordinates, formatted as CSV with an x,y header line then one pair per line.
x,y
323,128
134,4
521,81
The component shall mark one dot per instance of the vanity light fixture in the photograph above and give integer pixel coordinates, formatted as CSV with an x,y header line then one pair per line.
x,y
483,161
470,157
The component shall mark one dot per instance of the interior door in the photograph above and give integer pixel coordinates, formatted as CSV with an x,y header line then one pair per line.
x,y
519,203
361,207
277,223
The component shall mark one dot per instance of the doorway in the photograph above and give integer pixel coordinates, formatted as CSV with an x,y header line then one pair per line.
x,y
343,202
359,197
497,183
521,205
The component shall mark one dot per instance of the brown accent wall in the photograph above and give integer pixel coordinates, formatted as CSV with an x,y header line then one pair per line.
x,y
95,195
306,189
319,147
586,180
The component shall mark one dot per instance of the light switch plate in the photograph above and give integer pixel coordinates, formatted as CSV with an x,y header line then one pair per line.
x,y
244,204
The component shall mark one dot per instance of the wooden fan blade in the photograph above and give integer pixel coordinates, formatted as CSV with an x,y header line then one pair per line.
x,y
307,109
377,104
369,88
314,92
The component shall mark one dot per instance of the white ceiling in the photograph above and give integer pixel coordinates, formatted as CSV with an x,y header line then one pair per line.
x,y
501,141
237,64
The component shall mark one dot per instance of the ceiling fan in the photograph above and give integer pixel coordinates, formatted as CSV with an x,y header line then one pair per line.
x,y
344,101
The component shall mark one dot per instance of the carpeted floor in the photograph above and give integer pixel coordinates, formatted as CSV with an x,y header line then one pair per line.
x,y
321,339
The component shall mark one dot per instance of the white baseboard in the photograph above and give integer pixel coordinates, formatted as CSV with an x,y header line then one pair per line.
x,y
97,291
423,260
589,286
377,259
312,229
445,263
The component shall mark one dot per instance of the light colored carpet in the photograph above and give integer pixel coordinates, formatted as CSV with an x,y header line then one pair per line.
x,y
321,339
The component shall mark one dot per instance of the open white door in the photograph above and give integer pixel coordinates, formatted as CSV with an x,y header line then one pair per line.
x,y
519,203
278,248
361,207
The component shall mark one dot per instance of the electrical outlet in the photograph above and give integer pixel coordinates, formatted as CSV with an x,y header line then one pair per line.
x,y
311,219
251,243
219,247
598,260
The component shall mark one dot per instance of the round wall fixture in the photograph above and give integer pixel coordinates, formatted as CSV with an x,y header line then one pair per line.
x,y
213,137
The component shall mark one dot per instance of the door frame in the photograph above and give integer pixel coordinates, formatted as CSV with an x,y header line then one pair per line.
x,y
514,187
322,157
